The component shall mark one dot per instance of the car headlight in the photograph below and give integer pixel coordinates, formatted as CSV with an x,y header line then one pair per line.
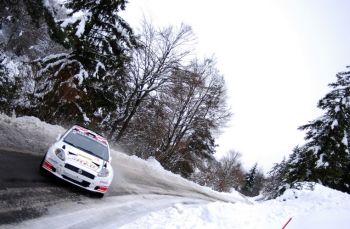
x,y
103,173
60,154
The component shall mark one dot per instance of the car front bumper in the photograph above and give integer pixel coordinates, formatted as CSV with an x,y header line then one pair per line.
x,y
74,174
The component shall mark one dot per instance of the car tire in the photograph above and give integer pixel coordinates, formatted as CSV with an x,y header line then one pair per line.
x,y
99,195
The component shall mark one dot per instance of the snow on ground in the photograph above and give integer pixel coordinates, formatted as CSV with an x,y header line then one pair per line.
x,y
144,195
319,208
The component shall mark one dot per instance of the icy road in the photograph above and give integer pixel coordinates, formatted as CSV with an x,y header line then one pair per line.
x,y
28,200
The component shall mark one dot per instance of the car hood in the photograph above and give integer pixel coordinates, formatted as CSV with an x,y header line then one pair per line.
x,y
86,160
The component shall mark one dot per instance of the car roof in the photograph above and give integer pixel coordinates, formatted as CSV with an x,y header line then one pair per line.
x,y
96,136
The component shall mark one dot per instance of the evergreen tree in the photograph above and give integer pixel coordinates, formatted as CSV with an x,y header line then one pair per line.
x,y
253,182
275,184
325,158
98,37
298,167
85,84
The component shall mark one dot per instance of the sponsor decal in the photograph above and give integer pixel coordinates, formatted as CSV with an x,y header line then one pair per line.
x,y
90,134
85,156
84,162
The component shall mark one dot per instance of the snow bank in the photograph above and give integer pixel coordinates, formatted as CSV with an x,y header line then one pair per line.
x,y
319,208
132,175
27,134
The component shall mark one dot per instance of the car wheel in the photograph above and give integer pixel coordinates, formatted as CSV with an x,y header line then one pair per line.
x,y
99,195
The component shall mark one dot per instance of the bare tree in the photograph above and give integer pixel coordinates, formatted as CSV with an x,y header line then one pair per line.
x,y
230,174
223,175
160,53
195,101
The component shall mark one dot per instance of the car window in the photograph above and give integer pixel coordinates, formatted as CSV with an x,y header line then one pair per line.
x,y
87,143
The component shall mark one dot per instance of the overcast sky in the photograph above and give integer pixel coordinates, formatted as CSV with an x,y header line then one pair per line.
x,y
277,58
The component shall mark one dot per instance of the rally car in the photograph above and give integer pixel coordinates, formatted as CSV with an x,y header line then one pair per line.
x,y
81,157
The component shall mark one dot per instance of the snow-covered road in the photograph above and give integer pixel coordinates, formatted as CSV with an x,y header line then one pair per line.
x,y
144,195
110,212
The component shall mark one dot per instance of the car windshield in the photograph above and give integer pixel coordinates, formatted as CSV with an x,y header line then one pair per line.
x,y
87,144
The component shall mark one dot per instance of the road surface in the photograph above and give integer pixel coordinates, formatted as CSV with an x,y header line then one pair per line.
x,y
25,194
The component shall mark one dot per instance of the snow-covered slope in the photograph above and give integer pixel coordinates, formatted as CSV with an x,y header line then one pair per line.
x,y
319,208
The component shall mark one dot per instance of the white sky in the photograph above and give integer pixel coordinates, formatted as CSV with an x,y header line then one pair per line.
x,y
277,58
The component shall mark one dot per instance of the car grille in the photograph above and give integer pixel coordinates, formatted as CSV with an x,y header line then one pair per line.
x,y
76,169
82,183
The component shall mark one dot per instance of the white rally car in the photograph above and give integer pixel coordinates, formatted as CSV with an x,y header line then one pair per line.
x,y
81,157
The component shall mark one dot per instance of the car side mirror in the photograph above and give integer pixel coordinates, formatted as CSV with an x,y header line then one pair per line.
x,y
58,137
110,159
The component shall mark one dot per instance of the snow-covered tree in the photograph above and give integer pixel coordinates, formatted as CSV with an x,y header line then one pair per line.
x,y
97,37
325,158
254,181
275,184
85,83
